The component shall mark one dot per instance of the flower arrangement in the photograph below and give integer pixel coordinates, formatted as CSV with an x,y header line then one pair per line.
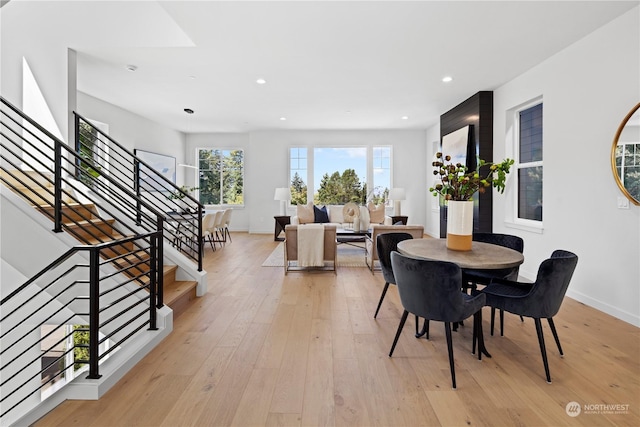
x,y
457,183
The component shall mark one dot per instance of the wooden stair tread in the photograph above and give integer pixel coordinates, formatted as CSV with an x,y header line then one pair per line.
x,y
178,295
177,288
94,222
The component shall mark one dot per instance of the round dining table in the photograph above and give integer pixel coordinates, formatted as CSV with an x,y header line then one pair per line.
x,y
482,256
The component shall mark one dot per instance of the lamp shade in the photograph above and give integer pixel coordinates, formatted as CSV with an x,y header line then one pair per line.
x,y
396,194
282,193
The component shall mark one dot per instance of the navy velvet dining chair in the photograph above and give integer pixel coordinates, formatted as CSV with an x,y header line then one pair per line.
x,y
432,290
538,300
387,243
472,278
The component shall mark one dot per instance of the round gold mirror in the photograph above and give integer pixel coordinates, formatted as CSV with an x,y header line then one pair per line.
x,y
625,155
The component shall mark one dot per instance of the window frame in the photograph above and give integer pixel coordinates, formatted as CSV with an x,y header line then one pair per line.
x,y
198,170
524,223
310,182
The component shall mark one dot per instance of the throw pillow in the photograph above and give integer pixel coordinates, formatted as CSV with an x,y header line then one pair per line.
x,y
305,213
320,214
376,213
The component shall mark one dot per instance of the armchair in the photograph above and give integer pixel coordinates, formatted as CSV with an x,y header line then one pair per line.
x,y
291,248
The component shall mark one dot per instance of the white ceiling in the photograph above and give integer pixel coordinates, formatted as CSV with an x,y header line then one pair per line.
x,y
328,64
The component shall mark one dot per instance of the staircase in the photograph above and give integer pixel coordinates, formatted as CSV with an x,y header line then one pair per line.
x,y
106,252
83,222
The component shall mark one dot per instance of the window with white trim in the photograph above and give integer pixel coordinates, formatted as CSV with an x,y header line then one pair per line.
x,y
221,176
529,167
379,193
336,175
298,175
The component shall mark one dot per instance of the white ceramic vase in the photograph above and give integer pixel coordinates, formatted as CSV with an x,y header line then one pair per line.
x,y
459,225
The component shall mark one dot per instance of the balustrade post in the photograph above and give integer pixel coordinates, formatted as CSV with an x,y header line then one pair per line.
x,y
200,246
94,312
153,282
57,188
136,187
160,275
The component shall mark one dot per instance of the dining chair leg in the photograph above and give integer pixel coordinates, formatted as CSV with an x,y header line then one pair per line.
x,y
425,328
501,322
384,292
543,349
555,335
493,318
475,335
400,326
228,234
447,330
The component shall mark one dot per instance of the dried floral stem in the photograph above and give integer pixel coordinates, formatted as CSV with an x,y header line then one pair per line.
x,y
457,183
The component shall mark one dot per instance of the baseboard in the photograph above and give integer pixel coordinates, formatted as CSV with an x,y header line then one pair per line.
x,y
605,308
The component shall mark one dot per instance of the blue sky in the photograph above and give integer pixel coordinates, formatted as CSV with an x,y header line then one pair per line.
x,y
330,160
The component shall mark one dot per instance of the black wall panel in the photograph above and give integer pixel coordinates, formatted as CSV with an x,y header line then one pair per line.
x,y
476,111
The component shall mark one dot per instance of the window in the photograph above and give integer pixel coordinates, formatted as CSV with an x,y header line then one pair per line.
x,y
298,175
221,175
339,174
529,163
381,175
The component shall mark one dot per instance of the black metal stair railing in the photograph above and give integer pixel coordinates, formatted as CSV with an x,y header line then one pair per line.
x,y
121,230
102,156
41,168
76,288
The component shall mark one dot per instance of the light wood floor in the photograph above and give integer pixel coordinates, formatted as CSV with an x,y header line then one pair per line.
x,y
262,349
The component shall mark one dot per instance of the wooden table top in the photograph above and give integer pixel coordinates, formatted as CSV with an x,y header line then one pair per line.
x,y
482,256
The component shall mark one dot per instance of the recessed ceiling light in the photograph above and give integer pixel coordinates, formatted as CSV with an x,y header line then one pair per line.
x,y
131,67
188,111
447,79
192,77
283,118
261,81
405,117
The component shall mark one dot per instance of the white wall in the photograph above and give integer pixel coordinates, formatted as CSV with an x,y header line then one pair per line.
x,y
587,90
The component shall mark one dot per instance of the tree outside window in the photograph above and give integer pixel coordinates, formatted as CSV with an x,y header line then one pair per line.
x,y
221,175
298,171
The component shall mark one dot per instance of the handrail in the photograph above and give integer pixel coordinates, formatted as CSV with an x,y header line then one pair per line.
x,y
126,165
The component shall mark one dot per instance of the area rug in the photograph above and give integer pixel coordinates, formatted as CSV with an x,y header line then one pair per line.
x,y
348,256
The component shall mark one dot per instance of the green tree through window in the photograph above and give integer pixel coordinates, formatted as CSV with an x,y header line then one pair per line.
x,y
339,189
221,175
298,190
